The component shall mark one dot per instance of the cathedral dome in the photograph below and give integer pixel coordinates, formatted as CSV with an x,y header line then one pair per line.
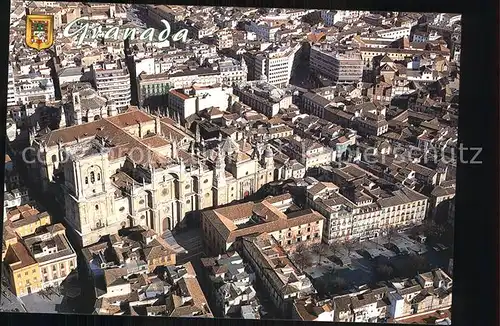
x,y
268,152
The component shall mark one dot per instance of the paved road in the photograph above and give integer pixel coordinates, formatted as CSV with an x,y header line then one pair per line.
x,y
170,239
50,303
191,242
10,302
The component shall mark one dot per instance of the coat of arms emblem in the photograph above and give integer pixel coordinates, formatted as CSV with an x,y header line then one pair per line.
x,y
39,31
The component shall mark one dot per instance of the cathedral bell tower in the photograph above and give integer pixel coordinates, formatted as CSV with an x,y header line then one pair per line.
x,y
268,158
219,178
90,199
77,110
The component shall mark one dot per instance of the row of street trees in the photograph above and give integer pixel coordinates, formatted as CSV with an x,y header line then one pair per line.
x,y
302,253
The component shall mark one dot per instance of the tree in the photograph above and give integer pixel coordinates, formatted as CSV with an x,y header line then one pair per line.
x,y
349,245
392,231
320,250
335,247
434,230
301,257
337,285
419,263
384,272
303,260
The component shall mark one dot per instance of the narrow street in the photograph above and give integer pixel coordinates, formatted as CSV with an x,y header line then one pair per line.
x,y
9,302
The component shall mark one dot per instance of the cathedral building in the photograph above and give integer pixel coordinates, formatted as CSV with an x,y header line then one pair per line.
x,y
138,169
84,104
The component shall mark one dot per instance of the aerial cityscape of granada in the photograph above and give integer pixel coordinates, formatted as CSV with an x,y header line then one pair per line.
x,y
251,163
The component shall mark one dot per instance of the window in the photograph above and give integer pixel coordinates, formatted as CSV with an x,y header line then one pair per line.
x,y
187,187
96,207
122,209
92,177
26,274
98,176
141,201
54,266
62,266
205,181
71,263
86,180
54,158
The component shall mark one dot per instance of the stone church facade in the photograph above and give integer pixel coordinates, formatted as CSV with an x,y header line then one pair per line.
x,y
138,169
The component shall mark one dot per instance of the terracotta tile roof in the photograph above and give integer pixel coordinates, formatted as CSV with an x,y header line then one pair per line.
x,y
169,131
179,94
275,199
168,121
271,219
131,117
155,142
315,37
18,257
108,128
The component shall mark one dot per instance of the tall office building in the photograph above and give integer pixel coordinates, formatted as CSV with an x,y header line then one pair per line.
x,y
273,65
112,80
344,67
11,88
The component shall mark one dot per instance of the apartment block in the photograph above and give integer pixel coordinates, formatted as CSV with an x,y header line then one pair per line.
x,y
11,88
25,220
331,17
394,301
31,88
367,211
153,88
36,254
112,80
394,33
233,71
263,97
22,270
232,286
281,279
308,152
176,295
196,99
223,228
55,256
187,296
275,64
426,293
265,31
342,68
134,249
